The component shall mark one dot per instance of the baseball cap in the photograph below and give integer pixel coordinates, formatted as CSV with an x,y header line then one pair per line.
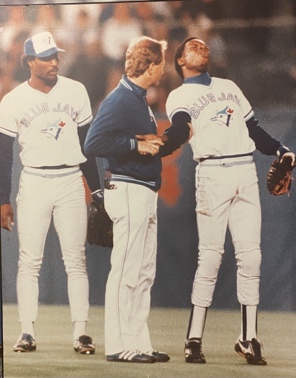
x,y
41,45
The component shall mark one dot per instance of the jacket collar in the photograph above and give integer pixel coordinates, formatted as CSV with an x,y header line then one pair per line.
x,y
133,87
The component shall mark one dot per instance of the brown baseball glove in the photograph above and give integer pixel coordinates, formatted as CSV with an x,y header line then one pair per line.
x,y
279,176
99,225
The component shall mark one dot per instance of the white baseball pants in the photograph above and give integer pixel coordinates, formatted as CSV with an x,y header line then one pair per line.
x,y
133,209
44,194
227,196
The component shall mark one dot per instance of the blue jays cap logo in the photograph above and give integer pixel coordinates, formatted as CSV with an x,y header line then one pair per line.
x,y
41,45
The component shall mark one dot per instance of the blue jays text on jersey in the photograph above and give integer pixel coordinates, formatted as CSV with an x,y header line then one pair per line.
x,y
46,124
205,100
45,107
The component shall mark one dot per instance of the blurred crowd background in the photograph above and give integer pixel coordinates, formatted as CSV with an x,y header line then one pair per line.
x,y
251,42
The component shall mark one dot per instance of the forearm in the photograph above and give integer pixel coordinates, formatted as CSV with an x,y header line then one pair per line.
x,y
6,162
263,141
89,168
99,144
177,134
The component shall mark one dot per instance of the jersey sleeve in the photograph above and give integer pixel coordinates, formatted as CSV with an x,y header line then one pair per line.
x,y
85,115
244,104
8,122
174,105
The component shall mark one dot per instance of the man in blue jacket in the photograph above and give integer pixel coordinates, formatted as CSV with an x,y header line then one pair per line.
x,y
124,133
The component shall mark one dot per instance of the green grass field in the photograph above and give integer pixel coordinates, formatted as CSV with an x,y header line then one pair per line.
x,y
56,358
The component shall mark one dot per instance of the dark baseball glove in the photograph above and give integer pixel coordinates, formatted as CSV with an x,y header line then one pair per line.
x,y
279,176
99,225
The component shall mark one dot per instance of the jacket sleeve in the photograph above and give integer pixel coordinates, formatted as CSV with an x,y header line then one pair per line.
x,y
107,136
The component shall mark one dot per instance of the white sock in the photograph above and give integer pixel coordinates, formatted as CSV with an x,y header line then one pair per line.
x,y
28,327
79,329
248,322
197,322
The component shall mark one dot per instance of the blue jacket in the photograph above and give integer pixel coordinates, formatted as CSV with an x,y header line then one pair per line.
x,y
123,114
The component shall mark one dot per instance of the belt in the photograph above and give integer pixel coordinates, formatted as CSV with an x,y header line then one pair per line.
x,y
54,166
225,157
43,172
227,160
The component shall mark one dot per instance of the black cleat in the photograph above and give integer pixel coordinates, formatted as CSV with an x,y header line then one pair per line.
x,y
251,351
131,356
193,351
159,356
84,345
25,344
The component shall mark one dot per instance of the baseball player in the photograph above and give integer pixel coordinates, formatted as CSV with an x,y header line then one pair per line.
x,y
50,114
225,135
124,132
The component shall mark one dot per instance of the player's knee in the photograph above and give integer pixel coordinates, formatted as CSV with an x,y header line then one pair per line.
x,y
209,261
249,263
32,268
